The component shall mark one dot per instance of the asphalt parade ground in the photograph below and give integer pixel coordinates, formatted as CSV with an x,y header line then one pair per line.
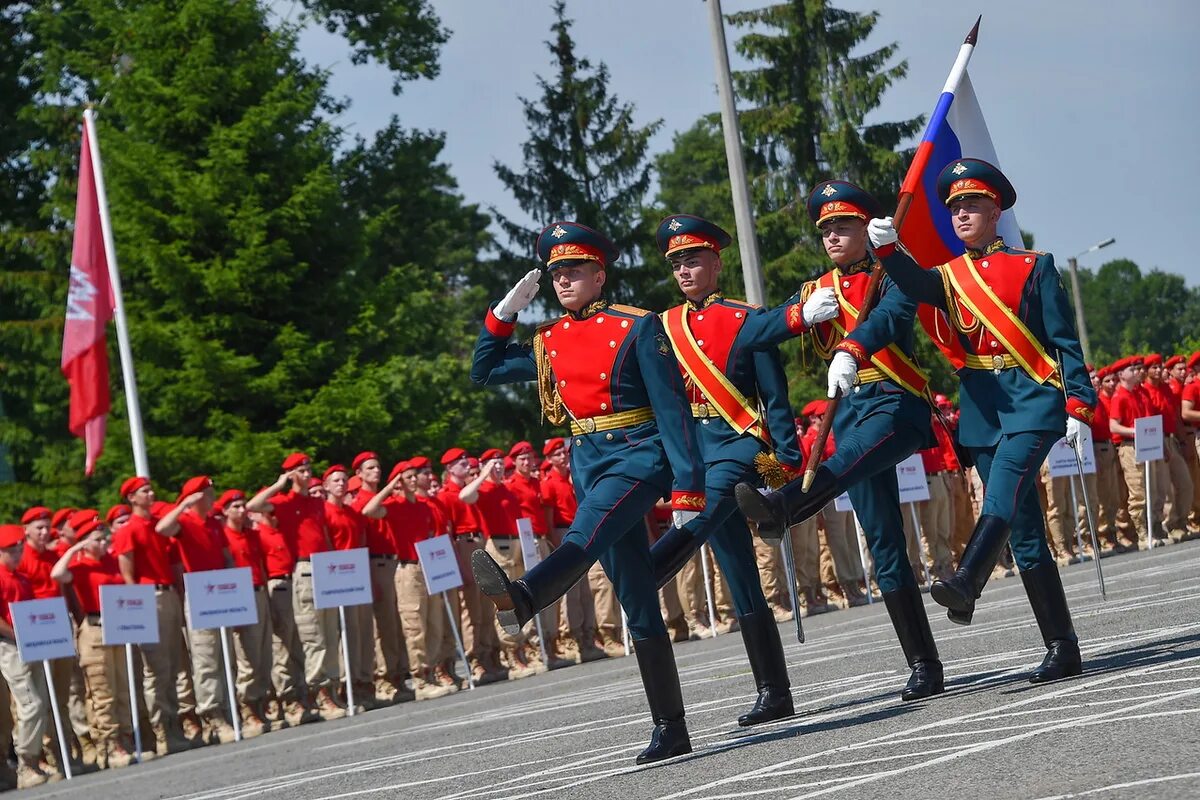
x,y
1129,727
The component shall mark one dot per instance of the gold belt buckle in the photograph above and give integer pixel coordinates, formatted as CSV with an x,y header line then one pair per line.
x,y
702,410
588,424
997,364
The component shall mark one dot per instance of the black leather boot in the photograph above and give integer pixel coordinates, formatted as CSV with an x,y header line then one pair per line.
x,y
674,549
959,593
760,634
660,679
912,628
1044,588
775,511
518,601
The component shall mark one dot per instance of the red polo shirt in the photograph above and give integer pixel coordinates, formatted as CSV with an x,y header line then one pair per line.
x,y
1163,402
1100,430
528,492
200,542
246,548
89,574
13,589
277,554
151,552
498,508
380,541
1125,407
441,519
411,522
302,520
559,493
465,517
347,527
35,567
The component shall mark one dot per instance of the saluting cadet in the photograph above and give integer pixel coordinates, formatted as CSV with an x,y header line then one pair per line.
x,y
735,384
1012,324
882,419
609,370
1172,470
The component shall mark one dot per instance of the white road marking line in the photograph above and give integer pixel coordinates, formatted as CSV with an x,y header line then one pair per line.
x,y
1127,785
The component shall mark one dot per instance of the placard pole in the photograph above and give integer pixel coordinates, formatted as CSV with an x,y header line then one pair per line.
x,y
625,629
1149,512
708,590
458,642
236,718
133,705
64,752
346,661
862,559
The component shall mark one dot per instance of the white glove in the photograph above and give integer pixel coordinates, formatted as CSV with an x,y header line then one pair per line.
x,y
821,306
519,296
843,369
881,233
681,518
1074,429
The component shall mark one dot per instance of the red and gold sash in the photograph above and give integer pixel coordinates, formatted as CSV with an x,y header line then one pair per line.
x,y
891,360
733,406
966,285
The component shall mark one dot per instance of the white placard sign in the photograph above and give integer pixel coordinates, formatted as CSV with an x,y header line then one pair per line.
x,y
128,614
1061,459
43,629
529,548
842,502
341,578
439,564
220,598
910,474
1148,438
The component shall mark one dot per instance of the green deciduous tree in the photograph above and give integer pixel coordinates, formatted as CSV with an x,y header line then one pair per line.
x,y
1129,311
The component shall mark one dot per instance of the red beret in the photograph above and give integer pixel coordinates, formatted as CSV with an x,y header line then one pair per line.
x,y
60,517
810,408
296,460
11,535
196,484
452,455
420,462
1152,359
1090,367
119,510
36,513
81,518
362,458
400,467
334,468
1136,359
545,465
131,485
230,496
354,484
553,444
472,461
315,482
520,448
1193,360
88,527
490,453
1172,361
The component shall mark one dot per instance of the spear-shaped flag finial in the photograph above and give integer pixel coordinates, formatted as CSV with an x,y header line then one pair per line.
x,y
973,36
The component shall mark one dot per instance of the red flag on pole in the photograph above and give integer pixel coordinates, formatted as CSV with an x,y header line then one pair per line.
x,y
89,308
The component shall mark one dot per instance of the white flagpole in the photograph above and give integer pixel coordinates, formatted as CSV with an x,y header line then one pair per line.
x,y
141,463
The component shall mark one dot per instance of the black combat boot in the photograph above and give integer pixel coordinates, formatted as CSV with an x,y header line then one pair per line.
x,y
760,634
518,601
1045,590
660,678
775,511
959,593
912,628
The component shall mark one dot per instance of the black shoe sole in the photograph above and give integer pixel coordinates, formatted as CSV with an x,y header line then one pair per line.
x,y
747,721
948,596
494,582
755,508
652,759
924,694
1068,671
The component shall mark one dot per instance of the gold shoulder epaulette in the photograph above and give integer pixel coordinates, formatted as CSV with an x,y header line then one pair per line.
x,y
741,303
633,311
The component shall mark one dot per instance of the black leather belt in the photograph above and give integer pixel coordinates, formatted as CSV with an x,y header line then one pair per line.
x,y
384,556
408,562
509,536
280,578
305,559
162,587
92,619
259,588
470,537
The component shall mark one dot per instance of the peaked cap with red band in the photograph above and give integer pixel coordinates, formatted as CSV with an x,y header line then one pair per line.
x,y
679,233
968,177
835,199
563,244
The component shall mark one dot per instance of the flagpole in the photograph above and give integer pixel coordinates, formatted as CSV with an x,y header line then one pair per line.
x,y
136,434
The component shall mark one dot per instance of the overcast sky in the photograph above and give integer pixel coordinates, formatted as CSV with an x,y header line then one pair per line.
x,y
1093,105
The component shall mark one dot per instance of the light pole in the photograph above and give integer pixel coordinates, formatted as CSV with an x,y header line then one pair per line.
x,y
1073,261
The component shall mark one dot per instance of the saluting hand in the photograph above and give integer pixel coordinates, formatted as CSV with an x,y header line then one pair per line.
x,y
821,306
881,232
520,296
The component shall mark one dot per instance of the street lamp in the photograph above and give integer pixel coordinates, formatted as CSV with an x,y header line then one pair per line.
x,y
1073,261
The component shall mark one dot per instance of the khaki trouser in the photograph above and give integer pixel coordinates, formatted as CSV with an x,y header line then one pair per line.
x,y
77,705
668,598
360,622
391,659
31,700
1181,493
806,550
208,669
422,617
608,610
964,513
578,612
477,613
252,651
1059,528
935,516
66,674
1188,450
842,538
770,568
507,553
318,630
1136,484
448,651
107,683
6,714
161,662
287,654
1103,491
